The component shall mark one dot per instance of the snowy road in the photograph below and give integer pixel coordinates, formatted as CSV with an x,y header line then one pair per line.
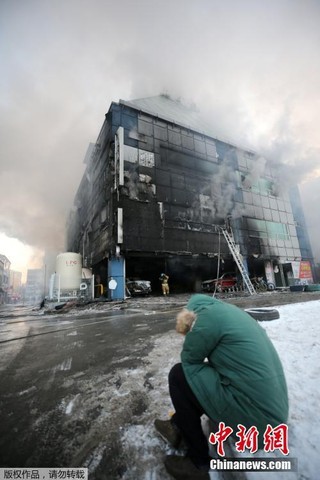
x,y
60,383
87,390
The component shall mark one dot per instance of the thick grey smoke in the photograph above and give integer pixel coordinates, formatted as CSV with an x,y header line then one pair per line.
x,y
251,68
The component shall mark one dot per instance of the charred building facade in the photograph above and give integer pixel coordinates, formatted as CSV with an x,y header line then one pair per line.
x,y
156,186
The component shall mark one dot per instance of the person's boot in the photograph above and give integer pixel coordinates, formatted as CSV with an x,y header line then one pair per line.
x,y
168,432
182,468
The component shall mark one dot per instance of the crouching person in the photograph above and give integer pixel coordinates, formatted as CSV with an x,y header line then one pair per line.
x,y
229,371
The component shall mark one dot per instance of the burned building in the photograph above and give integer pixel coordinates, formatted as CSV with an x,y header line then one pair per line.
x,y
156,188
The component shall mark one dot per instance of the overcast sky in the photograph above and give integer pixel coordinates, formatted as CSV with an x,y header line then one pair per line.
x,y
251,67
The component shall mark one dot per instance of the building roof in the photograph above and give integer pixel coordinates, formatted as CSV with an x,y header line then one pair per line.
x,y
175,111
4,259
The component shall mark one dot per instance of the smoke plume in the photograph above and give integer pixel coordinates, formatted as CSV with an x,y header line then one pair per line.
x,y
251,68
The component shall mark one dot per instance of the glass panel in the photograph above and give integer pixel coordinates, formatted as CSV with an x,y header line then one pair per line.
x,y
264,186
273,204
264,229
242,161
267,214
292,230
256,200
247,197
258,212
283,217
275,216
290,252
249,210
290,218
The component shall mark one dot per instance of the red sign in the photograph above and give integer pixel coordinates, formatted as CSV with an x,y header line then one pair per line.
x,y
305,270
274,438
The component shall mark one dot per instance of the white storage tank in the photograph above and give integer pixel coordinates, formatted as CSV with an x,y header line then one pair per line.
x,y
69,269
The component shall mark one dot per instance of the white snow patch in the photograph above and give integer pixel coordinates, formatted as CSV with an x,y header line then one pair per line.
x,y
65,365
28,390
95,458
70,405
72,333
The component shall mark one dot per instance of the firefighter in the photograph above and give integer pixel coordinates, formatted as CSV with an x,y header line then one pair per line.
x,y
164,283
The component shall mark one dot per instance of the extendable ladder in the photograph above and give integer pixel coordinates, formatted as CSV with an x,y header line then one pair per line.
x,y
238,259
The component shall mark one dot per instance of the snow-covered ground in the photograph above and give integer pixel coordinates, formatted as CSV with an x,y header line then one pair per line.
x,y
296,336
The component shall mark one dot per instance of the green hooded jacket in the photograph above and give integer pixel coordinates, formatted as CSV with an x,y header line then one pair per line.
x,y
233,368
